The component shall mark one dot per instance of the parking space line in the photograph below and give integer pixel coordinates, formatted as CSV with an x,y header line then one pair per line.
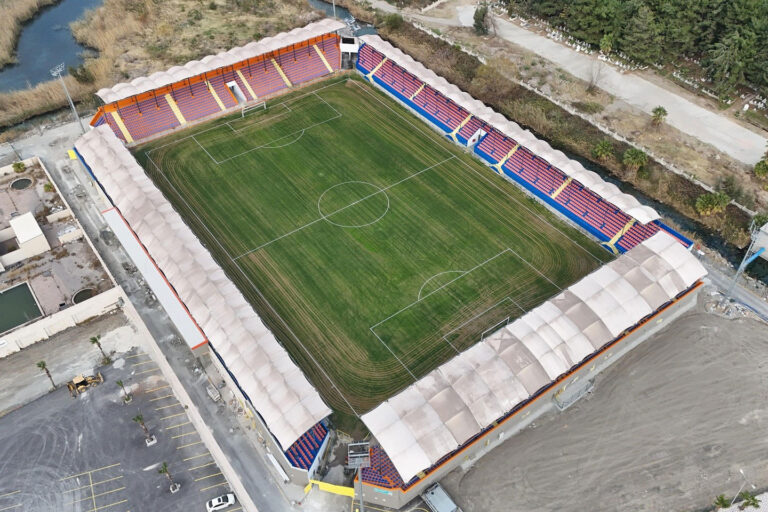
x,y
173,416
12,506
167,406
214,485
202,466
176,426
207,476
147,371
160,397
157,388
90,471
137,355
96,495
196,456
107,506
9,494
190,444
235,509
184,434
142,363
95,483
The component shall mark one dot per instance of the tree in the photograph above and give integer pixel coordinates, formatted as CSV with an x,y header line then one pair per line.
x,y
481,19
761,169
164,471
711,203
95,340
634,159
393,21
658,115
44,367
748,500
642,39
126,396
140,420
721,502
606,43
603,150
728,60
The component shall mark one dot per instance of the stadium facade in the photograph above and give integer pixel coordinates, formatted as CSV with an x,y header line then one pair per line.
x,y
464,407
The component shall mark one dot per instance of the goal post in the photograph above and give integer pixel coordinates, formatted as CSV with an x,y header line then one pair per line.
x,y
261,105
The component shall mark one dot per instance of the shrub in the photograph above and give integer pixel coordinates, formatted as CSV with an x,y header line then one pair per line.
x,y
658,115
19,167
393,21
212,6
603,150
761,219
761,169
711,203
634,159
48,187
588,107
82,74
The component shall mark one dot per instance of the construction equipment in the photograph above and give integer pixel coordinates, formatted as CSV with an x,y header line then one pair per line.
x,y
80,383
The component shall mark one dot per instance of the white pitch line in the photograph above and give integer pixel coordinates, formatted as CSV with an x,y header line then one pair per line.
x,y
344,207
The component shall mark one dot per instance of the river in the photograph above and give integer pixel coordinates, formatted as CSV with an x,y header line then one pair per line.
x,y
46,41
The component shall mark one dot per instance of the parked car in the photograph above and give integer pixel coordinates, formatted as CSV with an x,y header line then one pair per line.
x,y
221,503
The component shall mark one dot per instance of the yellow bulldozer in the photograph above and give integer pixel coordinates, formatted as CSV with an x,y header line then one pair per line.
x,y
82,382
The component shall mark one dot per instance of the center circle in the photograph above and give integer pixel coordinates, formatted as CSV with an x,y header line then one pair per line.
x,y
353,204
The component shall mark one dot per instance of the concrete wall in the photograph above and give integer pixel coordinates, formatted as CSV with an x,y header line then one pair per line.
x,y
8,169
63,214
395,498
71,236
6,234
44,328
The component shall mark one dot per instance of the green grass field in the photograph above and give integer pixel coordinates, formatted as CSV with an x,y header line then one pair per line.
x,y
372,246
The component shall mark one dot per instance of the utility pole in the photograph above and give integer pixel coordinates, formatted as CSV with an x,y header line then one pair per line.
x,y
749,257
334,8
56,73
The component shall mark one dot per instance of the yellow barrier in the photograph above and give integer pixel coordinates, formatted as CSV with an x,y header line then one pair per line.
x,y
333,489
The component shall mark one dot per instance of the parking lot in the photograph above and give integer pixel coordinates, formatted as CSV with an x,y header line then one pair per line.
x,y
88,455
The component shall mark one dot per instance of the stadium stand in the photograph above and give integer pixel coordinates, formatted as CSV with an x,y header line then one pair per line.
x,y
139,110
303,452
617,230
381,472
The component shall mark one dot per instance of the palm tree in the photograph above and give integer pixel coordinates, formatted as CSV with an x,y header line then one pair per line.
x,y
634,159
722,502
126,396
164,471
95,340
659,114
603,150
44,367
748,500
140,420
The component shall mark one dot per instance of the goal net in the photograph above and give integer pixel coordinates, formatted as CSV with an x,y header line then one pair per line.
x,y
262,105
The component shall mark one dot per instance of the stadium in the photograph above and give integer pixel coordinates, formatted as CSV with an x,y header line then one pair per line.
x,y
349,233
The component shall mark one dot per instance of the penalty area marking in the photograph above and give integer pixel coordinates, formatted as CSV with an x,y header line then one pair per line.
x,y
374,221
418,297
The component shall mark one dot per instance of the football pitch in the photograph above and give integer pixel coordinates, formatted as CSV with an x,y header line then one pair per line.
x,y
373,247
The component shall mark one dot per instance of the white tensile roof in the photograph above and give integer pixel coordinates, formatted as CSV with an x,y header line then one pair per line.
x,y
279,391
211,62
626,202
454,402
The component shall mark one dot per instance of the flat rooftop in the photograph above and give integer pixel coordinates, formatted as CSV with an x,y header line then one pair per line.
x,y
30,203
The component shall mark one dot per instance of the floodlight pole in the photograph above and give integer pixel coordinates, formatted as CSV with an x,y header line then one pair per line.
x,y
748,258
360,478
56,73
742,486
334,8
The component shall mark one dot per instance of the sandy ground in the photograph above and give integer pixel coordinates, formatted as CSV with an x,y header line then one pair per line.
x,y
67,354
667,428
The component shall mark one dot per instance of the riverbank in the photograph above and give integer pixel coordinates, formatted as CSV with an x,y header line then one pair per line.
x,y
15,14
136,38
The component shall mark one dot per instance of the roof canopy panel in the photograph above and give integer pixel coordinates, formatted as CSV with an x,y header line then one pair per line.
x,y
212,62
480,385
284,397
627,203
